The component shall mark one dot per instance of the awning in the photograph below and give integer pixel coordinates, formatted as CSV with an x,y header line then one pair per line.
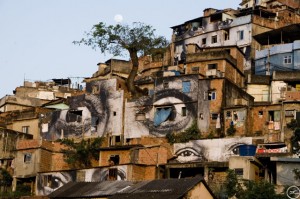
x,y
58,106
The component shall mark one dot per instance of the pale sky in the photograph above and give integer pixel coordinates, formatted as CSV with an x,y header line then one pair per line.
x,y
36,35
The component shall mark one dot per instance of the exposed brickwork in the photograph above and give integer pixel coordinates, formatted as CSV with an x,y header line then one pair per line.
x,y
105,156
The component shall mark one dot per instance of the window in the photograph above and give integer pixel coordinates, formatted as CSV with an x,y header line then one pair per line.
x,y
210,95
47,179
27,157
226,35
114,160
274,116
214,116
25,129
74,116
186,86
201,116
183,111
203,41
150,92
118,139
163,114
228,114
195,69
112,174
239,171
166,85
115,113
289,113
240,35
140,116
212,66
214,39
287,59
260,114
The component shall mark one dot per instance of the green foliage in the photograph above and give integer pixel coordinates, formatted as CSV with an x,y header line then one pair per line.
x,y
80,154
210,135
231,130
23,190
293,124
191,133
248,189
115,39
295,141
296,172
138,39
232,186
5,178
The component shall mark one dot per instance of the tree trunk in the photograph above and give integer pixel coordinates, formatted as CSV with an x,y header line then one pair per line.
x,y
133,73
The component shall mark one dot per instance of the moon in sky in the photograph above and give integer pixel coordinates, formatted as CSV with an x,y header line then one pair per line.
x,y
118,18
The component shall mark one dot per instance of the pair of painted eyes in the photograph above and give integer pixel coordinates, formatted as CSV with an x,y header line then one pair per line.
x,y
190,154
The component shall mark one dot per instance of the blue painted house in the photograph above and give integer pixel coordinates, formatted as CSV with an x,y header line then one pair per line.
x,y
282,57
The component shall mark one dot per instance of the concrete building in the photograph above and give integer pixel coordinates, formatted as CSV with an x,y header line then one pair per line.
x,y
282,57
8,142
275,103
33,156
230,27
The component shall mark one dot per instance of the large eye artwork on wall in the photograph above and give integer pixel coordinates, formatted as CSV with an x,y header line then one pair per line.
x,y
196,153
209,150
88,115
49,182
173,111
103,174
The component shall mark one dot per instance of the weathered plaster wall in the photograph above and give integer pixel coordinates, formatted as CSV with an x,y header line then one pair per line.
x,y
32,124
203,106
276,88
199,191
285,174
250,170
259,92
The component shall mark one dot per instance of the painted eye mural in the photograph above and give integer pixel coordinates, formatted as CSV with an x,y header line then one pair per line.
x,y
47,183
88,115
232,149
112,173
209,150
173,111
189,154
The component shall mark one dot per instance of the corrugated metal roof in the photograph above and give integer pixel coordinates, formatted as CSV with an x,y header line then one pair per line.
x,y
89,189
155,189
158,189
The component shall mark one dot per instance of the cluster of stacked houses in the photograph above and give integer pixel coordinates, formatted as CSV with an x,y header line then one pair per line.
x,y
235,74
